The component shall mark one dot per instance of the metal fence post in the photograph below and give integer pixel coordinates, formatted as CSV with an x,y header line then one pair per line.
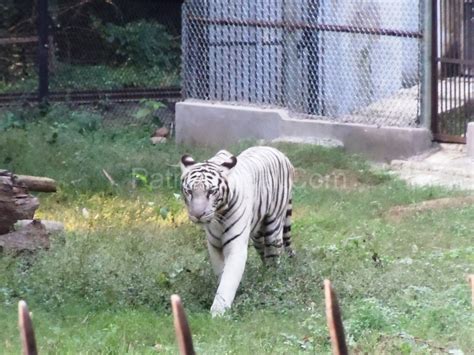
x,y
43,50
427,69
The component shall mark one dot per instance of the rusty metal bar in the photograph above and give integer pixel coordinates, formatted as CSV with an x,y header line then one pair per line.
x,y
18,40
306,26
449,138
88,96
466,62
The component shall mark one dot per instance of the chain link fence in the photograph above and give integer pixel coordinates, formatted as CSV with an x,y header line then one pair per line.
x,y
340,60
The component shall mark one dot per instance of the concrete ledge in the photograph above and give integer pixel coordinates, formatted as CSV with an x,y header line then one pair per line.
x,y
470,140
220,124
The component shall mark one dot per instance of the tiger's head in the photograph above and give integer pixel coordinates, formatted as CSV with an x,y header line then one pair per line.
x,y
204,186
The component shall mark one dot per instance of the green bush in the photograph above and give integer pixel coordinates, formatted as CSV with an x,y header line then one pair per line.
x,y
142,43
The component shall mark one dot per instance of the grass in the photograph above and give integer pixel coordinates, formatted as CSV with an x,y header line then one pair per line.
x,y
95,77
104,285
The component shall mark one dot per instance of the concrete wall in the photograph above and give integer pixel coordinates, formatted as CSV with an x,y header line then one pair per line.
x,y
218,124
470,140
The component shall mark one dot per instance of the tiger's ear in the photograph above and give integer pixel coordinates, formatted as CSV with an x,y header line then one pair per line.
x,y
230,163
186,162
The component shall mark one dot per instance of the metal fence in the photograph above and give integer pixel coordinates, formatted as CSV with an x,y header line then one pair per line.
x,y
340,60
454,70
89,50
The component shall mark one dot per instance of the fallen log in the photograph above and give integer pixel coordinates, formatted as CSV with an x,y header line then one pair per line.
x,y
30,238
37,183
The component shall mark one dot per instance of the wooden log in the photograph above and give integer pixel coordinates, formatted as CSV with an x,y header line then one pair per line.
x,y
37,183
181,326
27,333
334,321
30,238
15,202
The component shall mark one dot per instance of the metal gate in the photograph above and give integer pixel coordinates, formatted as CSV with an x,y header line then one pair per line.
x,y
453,69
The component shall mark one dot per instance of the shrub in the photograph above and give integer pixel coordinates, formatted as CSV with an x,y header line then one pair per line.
x,y
143,44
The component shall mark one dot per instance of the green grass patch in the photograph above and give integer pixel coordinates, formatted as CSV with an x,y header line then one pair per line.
x,y
96,77
104,285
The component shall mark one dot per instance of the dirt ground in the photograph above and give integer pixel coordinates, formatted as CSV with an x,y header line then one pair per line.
x,y
444,165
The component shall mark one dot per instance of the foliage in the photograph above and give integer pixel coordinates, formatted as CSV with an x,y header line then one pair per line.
x,y
142,44
77,77
9,14
104,286
9,120
149,110
137,54
15,21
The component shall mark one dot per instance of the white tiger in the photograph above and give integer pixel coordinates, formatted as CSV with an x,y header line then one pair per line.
x,y
237,198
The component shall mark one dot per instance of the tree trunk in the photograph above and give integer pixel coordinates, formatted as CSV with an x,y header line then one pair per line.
x,y
15,202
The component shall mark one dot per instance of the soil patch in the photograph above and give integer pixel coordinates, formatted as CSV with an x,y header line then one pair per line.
x,y
397,213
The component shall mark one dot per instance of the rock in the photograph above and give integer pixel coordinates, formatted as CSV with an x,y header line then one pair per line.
x,y
51,226
157,140
32,237
15,202
161,132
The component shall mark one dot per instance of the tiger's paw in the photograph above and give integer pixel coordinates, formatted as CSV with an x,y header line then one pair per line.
x,y
218,307
290,252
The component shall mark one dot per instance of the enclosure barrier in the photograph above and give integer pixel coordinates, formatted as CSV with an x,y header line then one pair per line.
x,y
183,332
342,61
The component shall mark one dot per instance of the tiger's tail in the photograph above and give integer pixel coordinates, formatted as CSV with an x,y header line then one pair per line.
x,y
287,229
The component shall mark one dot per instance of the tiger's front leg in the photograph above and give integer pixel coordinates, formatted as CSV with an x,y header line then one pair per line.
x,y
235,257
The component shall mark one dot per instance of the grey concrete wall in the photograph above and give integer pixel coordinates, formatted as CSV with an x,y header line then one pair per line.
x,y
219,124
470,140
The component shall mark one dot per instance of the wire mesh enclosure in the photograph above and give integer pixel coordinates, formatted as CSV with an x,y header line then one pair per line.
x,y
341,60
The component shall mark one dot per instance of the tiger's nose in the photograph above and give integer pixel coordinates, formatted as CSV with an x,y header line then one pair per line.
x,y
199,216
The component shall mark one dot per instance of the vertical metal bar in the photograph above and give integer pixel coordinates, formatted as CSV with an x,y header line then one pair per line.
x,y
448,54
459,74
427,66
430,74
43,84
469,50
455,69
313,37
443,45
463,66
